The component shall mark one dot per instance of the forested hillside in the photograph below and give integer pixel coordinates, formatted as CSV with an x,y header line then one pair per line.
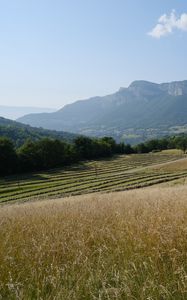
x,y
19,133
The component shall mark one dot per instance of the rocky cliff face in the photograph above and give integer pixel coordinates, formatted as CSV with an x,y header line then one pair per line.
x,y
177,88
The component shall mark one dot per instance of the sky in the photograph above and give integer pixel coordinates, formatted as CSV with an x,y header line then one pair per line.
x,y
54,52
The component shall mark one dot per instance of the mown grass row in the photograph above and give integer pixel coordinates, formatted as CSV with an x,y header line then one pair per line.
x,y
65,179
121,162
97,181
93,176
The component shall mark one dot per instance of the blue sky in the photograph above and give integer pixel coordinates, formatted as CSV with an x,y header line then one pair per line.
x,y
55,52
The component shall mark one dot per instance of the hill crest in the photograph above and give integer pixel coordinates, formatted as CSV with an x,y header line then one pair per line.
x,y
143,105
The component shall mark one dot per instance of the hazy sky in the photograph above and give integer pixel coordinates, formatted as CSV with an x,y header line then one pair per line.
x,y
53,52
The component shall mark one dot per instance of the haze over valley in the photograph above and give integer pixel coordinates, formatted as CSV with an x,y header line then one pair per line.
x,y
15,112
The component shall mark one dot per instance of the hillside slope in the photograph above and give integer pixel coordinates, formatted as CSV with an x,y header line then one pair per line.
x,y
19,132
128,245
143,105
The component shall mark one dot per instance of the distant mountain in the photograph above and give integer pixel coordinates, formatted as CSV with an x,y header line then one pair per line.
x,y
15,112
19,133
141,111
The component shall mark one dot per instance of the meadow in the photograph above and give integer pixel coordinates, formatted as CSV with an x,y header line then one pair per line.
x,y
101,244
126,245
118,173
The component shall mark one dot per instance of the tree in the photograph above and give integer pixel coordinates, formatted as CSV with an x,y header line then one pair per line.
x,y
28,157
8,157
110,141
141,148
45,154
181,143
128,149
153,145
84,147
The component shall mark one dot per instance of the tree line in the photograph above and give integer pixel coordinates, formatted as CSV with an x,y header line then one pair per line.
x,y
154,145
51,153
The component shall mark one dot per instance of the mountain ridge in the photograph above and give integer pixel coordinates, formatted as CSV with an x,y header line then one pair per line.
x,y
143,105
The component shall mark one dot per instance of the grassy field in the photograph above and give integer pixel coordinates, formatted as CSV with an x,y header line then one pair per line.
x,y
115,174
126,245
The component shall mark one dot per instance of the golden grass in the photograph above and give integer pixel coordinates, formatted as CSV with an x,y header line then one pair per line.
x,y
172,151
179,165
127,245
173,183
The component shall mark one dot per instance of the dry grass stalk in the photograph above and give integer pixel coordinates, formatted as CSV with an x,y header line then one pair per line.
x,y
128,245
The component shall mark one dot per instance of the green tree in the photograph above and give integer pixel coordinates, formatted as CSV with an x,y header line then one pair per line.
x,y
28,157
181,143
110,141
8,157
141,148
84,147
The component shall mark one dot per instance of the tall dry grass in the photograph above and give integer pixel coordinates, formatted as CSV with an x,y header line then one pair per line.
x,y
130,245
